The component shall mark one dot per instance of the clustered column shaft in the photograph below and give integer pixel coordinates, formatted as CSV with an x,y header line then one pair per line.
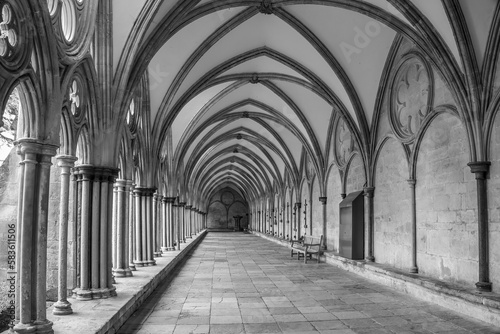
x,y
31,261
121,257
143,227
94,225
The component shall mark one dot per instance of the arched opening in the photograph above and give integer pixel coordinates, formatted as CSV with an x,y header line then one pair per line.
x,y
8,125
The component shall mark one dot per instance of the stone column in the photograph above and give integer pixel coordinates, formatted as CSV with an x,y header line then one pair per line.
x,y
188,215
138,230
481,169
177,234
164,229
157,224
150,227
182,222
324,218
170,223
369,192
413,204
122,235
131,227
62,306
31,244
95,248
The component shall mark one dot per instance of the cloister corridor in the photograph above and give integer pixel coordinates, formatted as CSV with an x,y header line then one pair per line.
x,y
242,283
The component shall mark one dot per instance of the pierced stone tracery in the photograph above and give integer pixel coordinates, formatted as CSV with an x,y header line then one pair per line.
x,y
8,31
411,98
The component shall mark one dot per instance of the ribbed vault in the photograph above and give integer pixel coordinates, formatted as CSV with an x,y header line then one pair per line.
x,y
242,93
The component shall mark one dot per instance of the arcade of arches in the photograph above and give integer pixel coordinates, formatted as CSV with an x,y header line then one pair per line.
x,y
129,126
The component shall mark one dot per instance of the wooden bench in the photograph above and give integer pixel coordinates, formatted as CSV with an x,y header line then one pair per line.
x,y
306,246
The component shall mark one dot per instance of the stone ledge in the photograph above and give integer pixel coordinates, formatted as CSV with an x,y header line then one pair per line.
x,y
484,306
108,315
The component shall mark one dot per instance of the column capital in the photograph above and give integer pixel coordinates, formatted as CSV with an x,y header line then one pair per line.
x,y
480,168
323,200
29,145
182,204
66,160
368,191
189,207
169,199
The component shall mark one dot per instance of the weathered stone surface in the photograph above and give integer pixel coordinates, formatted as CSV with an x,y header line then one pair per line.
x,y
333,199
446,202
224,205
392,238
317,210
494,206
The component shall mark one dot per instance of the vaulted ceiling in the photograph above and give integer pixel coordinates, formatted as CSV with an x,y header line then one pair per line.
x,y
240,90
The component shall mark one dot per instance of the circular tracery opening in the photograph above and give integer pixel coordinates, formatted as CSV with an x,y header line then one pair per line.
x,y
8,34
68,20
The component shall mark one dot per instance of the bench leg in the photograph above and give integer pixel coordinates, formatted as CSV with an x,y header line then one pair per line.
x,y
305,257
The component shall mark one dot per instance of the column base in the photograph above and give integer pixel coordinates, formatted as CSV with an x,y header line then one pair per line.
x,y
24,328
157,254
483,286
150,263
119,273
171,249
132,267
128,272
370,258
62,308
139,263
164,249
414,270
89,294
44,327
82,294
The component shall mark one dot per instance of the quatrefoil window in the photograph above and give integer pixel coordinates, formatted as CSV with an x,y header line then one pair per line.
x,y
411,98
8,34
344,142
74,97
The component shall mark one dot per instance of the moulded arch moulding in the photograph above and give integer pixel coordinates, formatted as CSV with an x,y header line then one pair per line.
x,y
17,45
74,24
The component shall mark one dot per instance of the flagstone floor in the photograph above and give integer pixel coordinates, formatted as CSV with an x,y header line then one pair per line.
x,y
240,283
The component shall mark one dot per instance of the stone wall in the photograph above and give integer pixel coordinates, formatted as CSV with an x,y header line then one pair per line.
x,y
9,190
223,206
355,175
392,229
446,204
333,200
494,206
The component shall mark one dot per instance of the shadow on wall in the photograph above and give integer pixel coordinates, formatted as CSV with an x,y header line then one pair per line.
x,y
224,205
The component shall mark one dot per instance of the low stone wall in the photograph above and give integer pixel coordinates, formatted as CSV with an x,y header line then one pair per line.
x,y
108,315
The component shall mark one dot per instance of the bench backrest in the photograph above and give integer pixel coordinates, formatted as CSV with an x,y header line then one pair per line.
x,y
316,241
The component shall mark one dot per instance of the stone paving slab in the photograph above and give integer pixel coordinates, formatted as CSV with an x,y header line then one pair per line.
x,y
241,283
